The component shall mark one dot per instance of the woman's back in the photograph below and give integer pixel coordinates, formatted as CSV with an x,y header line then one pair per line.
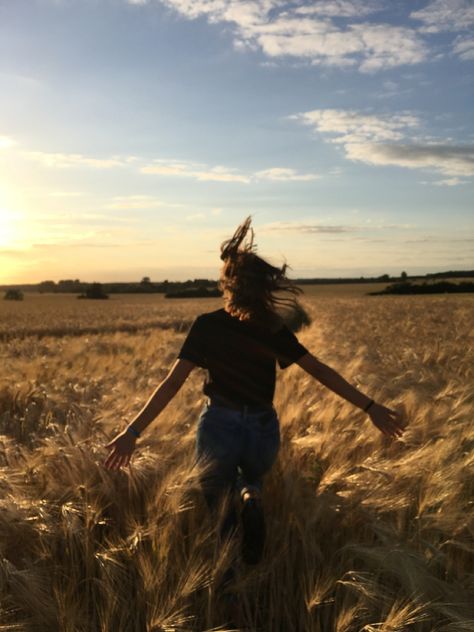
x,y
239,356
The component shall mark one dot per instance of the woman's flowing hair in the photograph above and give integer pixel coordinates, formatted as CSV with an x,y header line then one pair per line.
x,y
249,283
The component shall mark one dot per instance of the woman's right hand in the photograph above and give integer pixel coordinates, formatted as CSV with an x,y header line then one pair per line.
x,y
122,448
388,421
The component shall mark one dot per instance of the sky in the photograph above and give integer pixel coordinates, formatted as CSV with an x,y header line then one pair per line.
x,y
135,135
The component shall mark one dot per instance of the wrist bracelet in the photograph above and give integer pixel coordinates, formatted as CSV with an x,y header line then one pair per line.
x,y
133,431
366,408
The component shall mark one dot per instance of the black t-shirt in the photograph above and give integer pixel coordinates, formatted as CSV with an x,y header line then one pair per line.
x,y
239,356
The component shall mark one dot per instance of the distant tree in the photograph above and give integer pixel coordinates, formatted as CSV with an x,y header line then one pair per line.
x,y
47,286
70,285
13,295
95,290
404,276
146,285
383,277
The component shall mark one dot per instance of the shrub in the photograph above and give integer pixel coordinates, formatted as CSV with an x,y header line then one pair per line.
x,y
95,290
13,295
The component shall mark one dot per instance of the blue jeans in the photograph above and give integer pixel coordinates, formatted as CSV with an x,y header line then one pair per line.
x,y
238,448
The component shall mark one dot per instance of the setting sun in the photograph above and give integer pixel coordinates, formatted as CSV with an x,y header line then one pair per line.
x,y
9,229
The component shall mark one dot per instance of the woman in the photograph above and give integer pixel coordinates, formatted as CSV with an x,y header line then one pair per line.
x,y
238,431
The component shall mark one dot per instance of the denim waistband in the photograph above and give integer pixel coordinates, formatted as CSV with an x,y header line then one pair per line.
x,y
243,408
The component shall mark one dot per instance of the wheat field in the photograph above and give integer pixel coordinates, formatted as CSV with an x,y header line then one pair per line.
x,y
364,534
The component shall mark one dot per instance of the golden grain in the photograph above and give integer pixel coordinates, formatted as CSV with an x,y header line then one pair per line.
x,y
364,533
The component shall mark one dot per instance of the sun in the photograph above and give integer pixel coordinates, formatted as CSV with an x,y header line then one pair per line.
x,y
9,227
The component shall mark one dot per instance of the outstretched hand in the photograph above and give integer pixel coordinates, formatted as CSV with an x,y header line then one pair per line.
x,y
122,448
388,421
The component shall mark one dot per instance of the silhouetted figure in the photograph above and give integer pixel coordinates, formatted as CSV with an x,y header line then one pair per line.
x,y
238,429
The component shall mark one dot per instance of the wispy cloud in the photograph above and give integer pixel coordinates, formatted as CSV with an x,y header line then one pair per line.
x,y
447,182
445,15
449,16
283,174
197,171
131,202
381,140
352,126
310,31
464,48
305,227
203,172
455,160
66,161
341,8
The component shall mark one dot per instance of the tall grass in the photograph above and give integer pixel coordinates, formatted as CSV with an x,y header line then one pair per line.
x,y
364,533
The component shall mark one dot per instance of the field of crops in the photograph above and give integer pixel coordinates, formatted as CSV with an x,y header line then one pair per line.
x,y
365,534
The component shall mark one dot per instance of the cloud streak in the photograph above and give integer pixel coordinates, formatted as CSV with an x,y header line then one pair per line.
x,y
445,15
67,161
135,202
197,171
171,168
382,141
205,173
305,227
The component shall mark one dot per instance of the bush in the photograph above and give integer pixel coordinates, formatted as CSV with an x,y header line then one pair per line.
x,y
13,295
95,290
427,288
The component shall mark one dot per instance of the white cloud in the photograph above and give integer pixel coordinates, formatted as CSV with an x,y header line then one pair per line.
x,y
305,227
6,142
448,182
66,161
161,167
197,171
310,32
203,172
135,202
445,15
464,47
381,140
352,126
341,8
451,160
285,174
387,46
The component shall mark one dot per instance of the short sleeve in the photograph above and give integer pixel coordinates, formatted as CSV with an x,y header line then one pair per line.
x,y
288,348
193,347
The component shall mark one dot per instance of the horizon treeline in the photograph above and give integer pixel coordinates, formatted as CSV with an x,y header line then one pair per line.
x,y
146,285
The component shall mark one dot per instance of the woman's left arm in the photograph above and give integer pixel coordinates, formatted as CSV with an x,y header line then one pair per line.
x,y
123,445
386,420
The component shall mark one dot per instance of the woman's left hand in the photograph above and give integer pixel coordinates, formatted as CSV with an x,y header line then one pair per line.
x,y
122,448
388,421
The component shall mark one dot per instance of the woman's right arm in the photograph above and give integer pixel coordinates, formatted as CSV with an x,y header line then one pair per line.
x,y
386,420
123,445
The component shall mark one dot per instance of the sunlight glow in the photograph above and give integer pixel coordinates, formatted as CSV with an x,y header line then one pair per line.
x,y
9,227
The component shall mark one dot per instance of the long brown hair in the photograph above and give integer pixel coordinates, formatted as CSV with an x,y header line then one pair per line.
x,y
249,283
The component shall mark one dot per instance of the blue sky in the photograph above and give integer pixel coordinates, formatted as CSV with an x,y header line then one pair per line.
x,y
135,136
